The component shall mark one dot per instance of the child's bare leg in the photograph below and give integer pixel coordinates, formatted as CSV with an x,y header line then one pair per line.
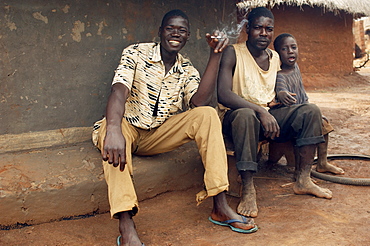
x,y
322,159
297,162
275,153
304,184
248,203
278,150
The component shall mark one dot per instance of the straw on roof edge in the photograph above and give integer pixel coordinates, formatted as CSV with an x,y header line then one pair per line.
x,y
354,7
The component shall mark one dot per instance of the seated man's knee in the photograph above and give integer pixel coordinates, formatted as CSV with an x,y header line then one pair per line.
x,y
245,115
205,111
312,107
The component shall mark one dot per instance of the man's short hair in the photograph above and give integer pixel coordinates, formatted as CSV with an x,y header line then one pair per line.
x,y
258,12
172,13
279,40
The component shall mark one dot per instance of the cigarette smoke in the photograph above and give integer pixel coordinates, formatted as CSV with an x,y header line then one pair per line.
x,y
237,25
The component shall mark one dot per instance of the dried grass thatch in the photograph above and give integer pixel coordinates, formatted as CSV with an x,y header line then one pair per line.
x,y
354,7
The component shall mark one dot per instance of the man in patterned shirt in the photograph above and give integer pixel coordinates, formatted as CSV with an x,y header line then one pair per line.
x,y
157,103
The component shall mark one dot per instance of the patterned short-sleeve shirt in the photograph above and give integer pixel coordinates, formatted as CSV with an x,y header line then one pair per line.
x,y
154,95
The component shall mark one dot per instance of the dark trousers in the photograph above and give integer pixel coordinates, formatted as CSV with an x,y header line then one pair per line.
x,y
301,124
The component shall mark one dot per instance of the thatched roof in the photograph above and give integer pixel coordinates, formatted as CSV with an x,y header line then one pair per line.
x,y
355,7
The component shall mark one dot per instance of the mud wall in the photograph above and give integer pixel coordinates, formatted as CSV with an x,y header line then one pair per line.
x,y
325,40
57,57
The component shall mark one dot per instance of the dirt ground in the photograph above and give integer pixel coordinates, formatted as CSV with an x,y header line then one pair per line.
x,y
284,218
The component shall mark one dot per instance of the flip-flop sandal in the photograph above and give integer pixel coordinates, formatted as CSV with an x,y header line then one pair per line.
x,y
228,223
119,242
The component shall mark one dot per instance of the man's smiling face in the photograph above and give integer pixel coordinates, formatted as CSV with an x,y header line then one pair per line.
x,y
174,34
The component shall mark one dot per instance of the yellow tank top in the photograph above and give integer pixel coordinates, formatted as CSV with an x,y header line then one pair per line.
x,y
250,81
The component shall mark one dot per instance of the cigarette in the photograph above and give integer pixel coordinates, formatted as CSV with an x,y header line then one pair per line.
x,y
218,37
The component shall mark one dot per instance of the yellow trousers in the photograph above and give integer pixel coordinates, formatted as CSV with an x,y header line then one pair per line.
x,y
200,124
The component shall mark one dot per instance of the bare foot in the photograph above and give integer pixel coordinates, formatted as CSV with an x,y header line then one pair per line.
x,y
244,224
248,204
327,167
127,229
222,212
310,188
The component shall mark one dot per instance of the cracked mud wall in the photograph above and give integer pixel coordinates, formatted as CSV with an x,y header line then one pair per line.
x,y
57,58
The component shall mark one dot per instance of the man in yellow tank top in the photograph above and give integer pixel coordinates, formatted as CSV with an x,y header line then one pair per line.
x,y
246,84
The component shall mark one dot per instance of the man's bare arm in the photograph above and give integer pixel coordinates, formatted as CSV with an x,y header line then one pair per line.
x,y
217,43
225,79
231,100
114,148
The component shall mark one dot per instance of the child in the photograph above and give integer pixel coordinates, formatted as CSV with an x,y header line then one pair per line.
x,y
290,90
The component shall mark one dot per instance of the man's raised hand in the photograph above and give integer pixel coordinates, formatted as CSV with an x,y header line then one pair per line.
x,y
218,41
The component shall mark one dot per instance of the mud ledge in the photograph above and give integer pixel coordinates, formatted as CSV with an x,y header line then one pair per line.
x,y
56,183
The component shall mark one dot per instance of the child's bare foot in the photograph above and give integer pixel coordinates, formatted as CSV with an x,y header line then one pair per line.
x,y
308,187
248,204
327,167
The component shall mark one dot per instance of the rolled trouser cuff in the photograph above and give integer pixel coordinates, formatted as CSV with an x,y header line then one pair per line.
x,y
310,141
247,166
133,211
204,194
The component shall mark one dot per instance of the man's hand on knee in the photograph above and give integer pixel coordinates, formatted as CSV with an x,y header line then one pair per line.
x,y
114,150
270,125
